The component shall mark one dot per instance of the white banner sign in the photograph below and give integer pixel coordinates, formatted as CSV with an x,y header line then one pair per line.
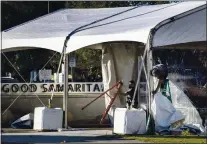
x,y
47,88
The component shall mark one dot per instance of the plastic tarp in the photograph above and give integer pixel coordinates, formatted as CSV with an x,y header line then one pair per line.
x,y
164,112
49,31
180,103
24,122
129,121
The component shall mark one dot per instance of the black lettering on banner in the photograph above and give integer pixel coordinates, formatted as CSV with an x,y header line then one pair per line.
x,y
32,88
83,87
70,88
51,88
89,85
44,88
59,88
24,88
102,87
14,88
96,87
4,88
77,87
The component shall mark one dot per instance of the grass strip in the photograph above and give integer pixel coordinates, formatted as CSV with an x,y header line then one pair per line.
x,y
169,139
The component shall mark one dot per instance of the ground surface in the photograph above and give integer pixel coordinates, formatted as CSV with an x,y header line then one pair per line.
x,y
90,135
76,136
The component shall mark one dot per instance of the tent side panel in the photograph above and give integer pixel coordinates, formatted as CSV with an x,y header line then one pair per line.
x,y
190,28
119,62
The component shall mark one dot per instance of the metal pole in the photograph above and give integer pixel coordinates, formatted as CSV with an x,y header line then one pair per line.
x,y
65,96
149,67
139,75
138,88
149,58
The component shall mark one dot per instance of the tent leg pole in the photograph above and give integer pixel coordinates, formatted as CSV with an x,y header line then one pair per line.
x,y
150,77
149,67
65,95
138,88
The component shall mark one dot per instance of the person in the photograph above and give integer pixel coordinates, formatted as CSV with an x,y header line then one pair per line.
x,y
129,95
160,71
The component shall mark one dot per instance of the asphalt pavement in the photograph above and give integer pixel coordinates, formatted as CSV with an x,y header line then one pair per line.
x,y
64,137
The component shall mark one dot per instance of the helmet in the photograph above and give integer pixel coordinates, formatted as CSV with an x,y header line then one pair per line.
x,y
160,71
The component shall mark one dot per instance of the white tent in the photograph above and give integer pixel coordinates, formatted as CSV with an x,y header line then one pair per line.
x,y
49,31
152,25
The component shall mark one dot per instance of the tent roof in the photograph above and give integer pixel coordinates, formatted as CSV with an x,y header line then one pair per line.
x,y
185,28
49,31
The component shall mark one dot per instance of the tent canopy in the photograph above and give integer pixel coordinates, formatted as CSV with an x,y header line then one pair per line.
x,y
50,31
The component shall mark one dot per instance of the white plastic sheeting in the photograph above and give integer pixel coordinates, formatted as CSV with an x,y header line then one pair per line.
x,y
164,112
23,122
47,118
180,102
50,31
129,121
